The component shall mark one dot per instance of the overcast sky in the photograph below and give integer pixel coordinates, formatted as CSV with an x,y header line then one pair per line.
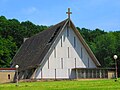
x,y
91,14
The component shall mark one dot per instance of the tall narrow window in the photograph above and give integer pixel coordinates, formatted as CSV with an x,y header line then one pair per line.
x,y
8,76
67,31
62,63
55,73
74,42
41,73
88,61
54,52
75,62
64,38
61,41
81,53
48,64
68,52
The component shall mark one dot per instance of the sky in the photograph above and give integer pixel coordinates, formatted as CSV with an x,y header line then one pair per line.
x,y
90,14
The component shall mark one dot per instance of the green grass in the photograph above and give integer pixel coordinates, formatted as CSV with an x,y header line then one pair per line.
x,y
64,85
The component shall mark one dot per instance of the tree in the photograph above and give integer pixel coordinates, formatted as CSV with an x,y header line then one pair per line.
x,y
90,35
104,49
117,35
12,33
7,51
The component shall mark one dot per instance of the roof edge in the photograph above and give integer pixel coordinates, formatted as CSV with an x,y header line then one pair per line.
x,y
55,39
85,45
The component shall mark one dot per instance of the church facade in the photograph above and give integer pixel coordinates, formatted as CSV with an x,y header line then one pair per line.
x,y
58,53
66,53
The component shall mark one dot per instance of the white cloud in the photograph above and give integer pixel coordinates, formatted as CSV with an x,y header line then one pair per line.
x,y
30,10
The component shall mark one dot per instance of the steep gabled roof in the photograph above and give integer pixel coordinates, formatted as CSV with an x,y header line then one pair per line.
x,y
34,49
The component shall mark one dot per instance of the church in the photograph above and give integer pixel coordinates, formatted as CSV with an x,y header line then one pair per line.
x,y
60,52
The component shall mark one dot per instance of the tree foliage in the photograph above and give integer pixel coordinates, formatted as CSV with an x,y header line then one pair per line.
x,y
103,44
12,33
8,49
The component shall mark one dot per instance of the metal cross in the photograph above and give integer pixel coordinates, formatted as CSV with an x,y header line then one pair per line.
x,y
69,13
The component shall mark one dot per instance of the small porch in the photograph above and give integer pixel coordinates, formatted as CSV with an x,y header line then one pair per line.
x,y
95,73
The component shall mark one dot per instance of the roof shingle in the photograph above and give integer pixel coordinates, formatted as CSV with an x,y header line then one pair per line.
x,y
35,48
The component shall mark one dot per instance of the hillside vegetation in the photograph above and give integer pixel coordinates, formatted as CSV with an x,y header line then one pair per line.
x,y
103,44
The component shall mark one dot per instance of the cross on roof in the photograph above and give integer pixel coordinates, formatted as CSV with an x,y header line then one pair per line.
x,y
69,13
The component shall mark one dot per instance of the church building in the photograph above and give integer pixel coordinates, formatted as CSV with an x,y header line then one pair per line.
x,y
58,53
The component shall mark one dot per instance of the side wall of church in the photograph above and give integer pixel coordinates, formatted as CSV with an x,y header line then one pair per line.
x,y
65,54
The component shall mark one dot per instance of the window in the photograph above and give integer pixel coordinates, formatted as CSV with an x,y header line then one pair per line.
x,y
69,73
81,53
55,73
54,52
41,73
64,39
61,41
62,63
68,52
48,63
88,61
74,42
8,76
75,62
67,31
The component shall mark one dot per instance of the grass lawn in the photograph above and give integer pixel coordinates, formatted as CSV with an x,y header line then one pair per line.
x,y
64,85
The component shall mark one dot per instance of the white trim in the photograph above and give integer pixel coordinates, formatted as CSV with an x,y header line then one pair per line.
x,y
7,70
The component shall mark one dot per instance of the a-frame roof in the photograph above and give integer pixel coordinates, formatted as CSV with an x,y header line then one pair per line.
x,y
34,49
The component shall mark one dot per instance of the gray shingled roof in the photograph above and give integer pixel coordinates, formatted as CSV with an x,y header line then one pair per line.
x,y
33,50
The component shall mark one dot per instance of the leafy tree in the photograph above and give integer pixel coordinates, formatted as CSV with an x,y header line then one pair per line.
x,y
7,51
12,33
117,35
104,49
31,29
90,35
